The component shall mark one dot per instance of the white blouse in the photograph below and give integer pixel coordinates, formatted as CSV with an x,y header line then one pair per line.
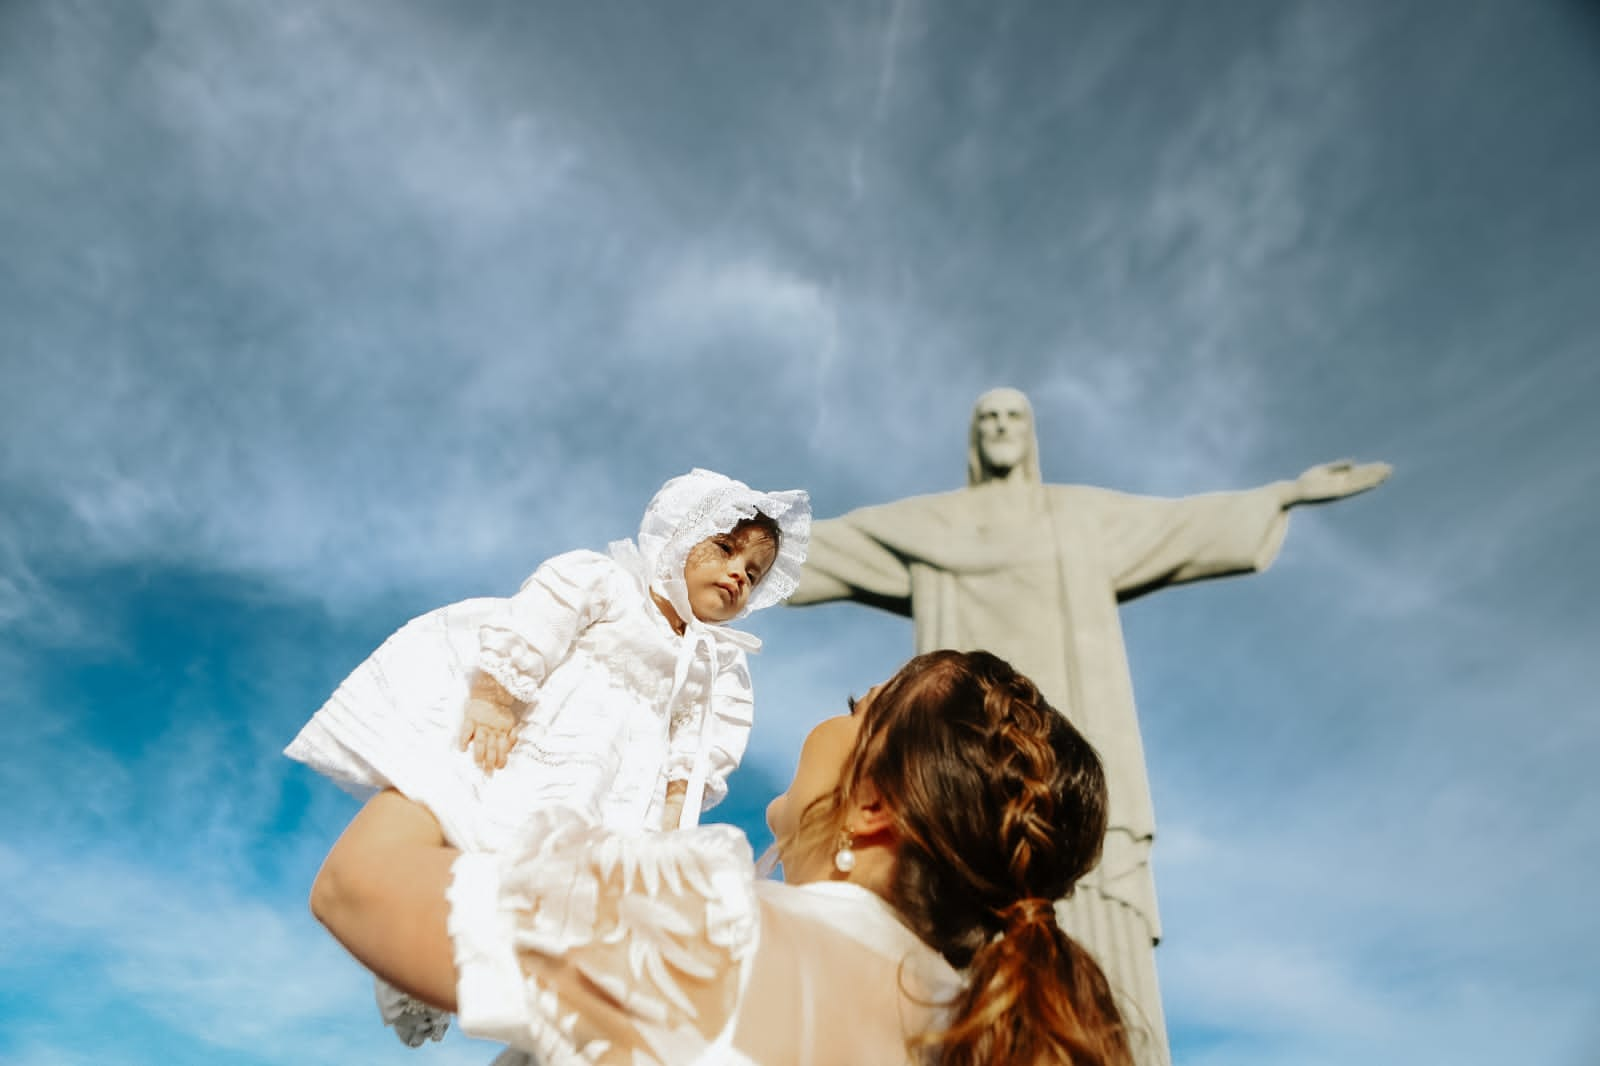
x,y
579,946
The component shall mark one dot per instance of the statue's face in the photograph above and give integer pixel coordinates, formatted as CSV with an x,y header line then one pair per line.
x,y
1005,430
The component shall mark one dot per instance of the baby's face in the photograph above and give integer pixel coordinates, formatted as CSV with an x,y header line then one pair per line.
x,y
721,571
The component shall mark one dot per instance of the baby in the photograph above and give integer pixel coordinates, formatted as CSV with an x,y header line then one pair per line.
x,y
610,683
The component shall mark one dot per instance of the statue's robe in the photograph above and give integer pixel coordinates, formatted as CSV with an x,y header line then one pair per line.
x,y
1034,574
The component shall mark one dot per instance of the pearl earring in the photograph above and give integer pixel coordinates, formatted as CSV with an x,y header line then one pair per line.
x,y
844,859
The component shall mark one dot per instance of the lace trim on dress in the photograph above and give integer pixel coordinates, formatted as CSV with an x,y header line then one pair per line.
x,y
508,658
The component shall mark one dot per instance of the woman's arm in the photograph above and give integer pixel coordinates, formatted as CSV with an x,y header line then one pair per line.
x,y
381,893
574,939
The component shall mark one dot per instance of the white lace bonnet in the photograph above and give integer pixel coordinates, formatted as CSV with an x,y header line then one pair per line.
x,y
702,503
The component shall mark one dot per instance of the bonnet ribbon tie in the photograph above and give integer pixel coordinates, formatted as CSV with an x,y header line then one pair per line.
x,y
696,635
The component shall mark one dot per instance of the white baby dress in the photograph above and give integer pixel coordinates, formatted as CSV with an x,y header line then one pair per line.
x,y
596,660
618,702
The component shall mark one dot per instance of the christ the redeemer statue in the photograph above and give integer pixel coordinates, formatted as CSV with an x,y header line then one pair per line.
x,y
1034,573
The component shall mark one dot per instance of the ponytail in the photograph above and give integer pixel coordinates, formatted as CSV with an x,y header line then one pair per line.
x,y
1033,995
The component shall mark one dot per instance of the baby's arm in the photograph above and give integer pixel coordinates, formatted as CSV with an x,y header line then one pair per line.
x,y
564,597
489,724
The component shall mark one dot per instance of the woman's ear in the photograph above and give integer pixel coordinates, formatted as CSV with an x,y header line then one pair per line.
x,y
866,814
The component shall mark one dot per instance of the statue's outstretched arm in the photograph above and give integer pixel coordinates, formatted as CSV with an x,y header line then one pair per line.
x,y
818,587
1334,481
845,563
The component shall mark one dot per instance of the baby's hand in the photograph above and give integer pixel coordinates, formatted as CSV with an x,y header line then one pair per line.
x,y
490,730
672,812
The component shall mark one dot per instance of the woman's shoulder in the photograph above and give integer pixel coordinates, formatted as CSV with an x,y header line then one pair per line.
x,y
831,951
850,911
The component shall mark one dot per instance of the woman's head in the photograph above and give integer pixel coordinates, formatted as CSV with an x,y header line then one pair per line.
x,y
989,794
989,806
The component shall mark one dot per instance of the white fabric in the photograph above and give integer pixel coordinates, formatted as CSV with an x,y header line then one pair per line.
x,y
583,947
702,503
620,704
685,511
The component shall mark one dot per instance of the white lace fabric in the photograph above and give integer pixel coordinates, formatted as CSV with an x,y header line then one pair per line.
x,y
702,503
582,947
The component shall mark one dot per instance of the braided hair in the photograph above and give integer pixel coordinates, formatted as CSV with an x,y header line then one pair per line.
x,y
999,807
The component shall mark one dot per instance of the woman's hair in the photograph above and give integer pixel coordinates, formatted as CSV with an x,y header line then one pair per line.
x,y
999,807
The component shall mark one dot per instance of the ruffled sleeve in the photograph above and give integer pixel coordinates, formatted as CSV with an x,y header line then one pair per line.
x,y
732,711
582,946
566,595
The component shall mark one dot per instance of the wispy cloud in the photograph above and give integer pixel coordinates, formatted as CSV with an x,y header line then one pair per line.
x,y
346,312
742,306
235,973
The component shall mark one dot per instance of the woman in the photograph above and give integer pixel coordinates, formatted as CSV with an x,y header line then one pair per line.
x,y
924,838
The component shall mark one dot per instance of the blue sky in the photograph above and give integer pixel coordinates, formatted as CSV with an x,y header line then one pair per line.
x,y
314,316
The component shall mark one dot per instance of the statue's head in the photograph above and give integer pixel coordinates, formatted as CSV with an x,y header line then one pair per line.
x,y
1002,445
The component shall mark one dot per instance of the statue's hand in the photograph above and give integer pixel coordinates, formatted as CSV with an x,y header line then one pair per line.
x,y
1332,481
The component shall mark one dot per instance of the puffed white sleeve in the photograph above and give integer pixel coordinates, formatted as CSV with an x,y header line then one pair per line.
x,y
583,946
566,595
732,713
